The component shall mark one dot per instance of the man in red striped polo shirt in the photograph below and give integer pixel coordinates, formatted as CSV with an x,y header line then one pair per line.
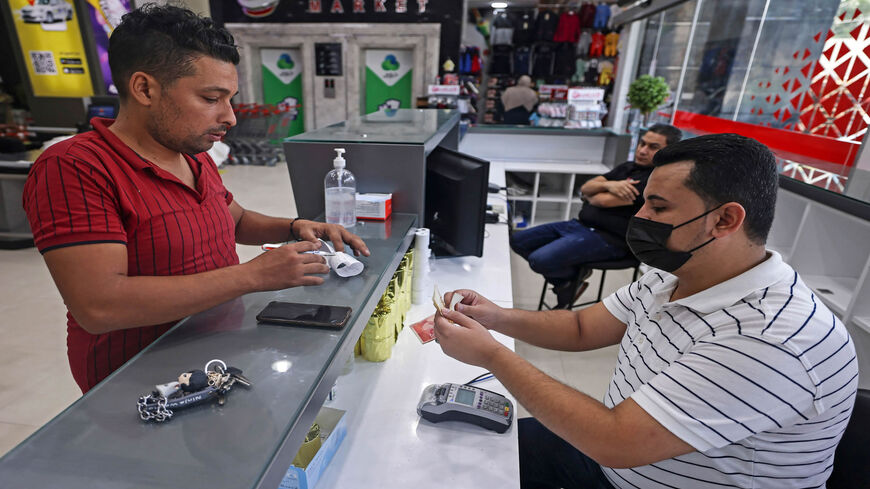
x,y
132,219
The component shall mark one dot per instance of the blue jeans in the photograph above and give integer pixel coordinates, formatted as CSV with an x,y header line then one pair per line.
x,y
547,461
558,250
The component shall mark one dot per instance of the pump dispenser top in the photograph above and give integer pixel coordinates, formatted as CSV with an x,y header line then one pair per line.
x,y
339,162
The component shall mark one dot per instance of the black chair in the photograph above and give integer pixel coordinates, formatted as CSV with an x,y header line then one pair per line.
x,y
604,266
851,470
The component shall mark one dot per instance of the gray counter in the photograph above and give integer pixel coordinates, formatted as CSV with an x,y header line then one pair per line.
x,y
386,152
99,441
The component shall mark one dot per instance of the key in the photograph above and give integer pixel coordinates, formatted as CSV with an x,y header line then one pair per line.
x,y
236,374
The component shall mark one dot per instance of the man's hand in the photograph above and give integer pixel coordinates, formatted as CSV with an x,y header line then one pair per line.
x,y
311,231
287,266
476,307
465,339
624,189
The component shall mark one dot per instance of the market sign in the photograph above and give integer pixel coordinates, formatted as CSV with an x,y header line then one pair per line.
x,y
585,95
359,6
51,44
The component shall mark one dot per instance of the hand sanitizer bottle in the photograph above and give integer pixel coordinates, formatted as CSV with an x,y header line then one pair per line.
x,y
340,189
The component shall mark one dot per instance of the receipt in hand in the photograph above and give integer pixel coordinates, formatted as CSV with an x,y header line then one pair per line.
x,y
438,301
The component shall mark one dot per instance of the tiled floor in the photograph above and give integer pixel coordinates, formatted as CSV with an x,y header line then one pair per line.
x,y
36,384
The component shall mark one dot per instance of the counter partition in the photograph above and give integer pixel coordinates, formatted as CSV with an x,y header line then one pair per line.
x,y
99,441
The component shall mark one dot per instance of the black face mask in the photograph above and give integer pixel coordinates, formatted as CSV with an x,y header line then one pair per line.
x,y
647,240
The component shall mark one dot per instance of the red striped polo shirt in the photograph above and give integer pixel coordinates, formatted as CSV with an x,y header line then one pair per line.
x,y
93,188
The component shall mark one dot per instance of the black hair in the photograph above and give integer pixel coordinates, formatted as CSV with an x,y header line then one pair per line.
x,y
730,168
164,41
671,133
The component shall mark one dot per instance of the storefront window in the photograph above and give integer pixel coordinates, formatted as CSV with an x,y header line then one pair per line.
x,y
793,74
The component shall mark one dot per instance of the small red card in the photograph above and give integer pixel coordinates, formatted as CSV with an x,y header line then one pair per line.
x,y
425,329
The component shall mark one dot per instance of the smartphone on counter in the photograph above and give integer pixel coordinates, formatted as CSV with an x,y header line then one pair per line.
x,y
298,314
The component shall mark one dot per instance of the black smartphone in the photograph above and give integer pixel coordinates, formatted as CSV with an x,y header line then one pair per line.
x,y
297,314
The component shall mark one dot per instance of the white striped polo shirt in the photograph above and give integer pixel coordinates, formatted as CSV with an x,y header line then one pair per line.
x,y
755,373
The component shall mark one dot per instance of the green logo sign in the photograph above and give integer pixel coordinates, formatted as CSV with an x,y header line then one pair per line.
x,y
285,62
390,63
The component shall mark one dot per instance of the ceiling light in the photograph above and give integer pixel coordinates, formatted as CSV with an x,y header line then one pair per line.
x,y
498,5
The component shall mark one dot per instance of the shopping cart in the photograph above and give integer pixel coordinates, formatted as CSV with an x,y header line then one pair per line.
x,y
256,137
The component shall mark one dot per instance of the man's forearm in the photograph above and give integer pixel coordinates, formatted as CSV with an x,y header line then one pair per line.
x,y
130,302
554,330
593,187
254,228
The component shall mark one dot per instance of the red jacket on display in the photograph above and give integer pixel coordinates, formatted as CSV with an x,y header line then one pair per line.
x,y
569,28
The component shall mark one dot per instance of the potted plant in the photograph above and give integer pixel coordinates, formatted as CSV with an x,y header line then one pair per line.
x,y
646,94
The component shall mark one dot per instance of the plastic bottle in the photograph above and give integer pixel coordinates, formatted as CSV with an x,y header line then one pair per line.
x,y
340,190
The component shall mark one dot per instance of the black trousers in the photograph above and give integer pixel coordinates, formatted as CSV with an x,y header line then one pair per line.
x,y
547,461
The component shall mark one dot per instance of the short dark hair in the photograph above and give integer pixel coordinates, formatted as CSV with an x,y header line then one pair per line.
x,y
164,41
730,168
671,133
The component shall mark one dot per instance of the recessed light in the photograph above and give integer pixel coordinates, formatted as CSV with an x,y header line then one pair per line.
x,y
498,5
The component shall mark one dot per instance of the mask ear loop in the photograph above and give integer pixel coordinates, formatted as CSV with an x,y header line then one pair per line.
x,y
695,219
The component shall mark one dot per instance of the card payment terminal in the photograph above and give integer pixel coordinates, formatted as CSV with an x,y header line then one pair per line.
x,y
455,402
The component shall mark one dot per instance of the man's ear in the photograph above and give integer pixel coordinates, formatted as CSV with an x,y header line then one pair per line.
x,y
730,218
142,88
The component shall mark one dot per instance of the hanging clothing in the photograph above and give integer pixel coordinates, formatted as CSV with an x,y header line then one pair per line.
x,y
587,15
545,26
583,44
614,11
605,73
596,48
564,60
602,15
522,58
502,30
611,44
579,70
568,29
591,75
500,63
542,60
524,31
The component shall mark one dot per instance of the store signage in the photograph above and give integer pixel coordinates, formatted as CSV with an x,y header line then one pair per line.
x,y
52,47
359,6
105,16
585,95
388,77
282,86
548,89
443,89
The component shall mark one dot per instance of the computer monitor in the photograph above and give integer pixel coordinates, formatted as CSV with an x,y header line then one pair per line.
x,y
456,191
105,111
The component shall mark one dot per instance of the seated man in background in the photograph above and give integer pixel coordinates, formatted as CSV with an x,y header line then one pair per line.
x,y
558,250
133,220
729,371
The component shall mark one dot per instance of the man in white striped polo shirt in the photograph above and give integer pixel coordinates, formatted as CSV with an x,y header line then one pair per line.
x,y
730,372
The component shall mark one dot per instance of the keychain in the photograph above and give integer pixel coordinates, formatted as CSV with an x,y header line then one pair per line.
x,y
192,388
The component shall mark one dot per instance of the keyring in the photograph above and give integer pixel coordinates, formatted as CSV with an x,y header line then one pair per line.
x,y
219,362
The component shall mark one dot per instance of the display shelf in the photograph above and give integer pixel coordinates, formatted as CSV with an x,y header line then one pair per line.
x,y
555,185
789,215
828,243
546,212
835,292
521,198
551,198
862,322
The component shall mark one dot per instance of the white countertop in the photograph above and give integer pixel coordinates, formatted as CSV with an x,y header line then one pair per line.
x,y
387,444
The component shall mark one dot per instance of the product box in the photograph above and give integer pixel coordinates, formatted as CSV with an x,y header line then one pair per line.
x,y
377,207
333,429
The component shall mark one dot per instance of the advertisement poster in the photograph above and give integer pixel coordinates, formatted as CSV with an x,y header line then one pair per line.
x,y
105,16
282,86
52,47
388,79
